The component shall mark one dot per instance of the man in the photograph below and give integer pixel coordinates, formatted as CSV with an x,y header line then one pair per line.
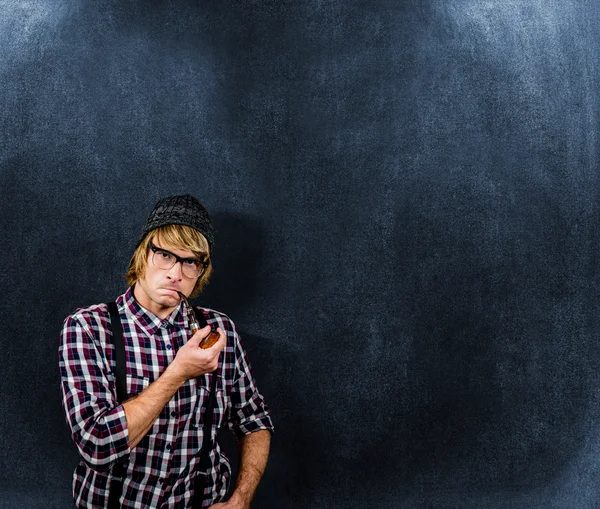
x,y
145,450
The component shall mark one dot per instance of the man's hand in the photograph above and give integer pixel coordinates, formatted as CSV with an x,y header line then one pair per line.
x,y
254,451
227,505
232,503
142,410
192,361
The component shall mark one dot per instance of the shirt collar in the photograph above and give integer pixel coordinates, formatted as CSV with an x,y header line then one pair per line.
x,y
147,320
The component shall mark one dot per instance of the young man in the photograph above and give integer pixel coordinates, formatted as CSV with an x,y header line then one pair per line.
x,y
144,451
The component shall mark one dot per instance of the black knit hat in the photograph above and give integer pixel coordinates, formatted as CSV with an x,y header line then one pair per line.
x,y
185,210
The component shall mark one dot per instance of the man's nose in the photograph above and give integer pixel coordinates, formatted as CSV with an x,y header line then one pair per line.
x,y
175,272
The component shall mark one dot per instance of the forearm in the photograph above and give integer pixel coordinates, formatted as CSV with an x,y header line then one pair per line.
x,y
253,455
191,361
142,410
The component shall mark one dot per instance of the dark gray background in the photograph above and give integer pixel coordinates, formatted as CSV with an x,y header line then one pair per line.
x,y
406,202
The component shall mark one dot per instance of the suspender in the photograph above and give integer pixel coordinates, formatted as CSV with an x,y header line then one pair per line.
x,y
118,343
119,470
204,465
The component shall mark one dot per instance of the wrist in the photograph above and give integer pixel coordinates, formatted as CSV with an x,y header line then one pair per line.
x,y
238,501
173,375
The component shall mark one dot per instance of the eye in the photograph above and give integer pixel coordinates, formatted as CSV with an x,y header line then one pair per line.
x,y
191,263
164,255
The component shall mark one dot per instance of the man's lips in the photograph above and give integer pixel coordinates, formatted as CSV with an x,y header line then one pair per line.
x,y
171,290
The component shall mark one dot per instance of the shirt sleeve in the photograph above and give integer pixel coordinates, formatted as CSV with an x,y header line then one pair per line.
x,y
97,423
249,412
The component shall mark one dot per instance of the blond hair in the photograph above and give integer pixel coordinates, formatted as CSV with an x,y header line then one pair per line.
x,y
176,236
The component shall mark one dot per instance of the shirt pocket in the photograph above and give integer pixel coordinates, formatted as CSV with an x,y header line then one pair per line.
x,y
136,384
220,411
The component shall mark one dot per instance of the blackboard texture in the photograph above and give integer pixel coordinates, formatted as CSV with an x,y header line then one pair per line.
x,y
406,202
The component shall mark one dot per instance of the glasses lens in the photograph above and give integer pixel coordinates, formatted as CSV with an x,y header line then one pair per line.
x,y
162,259
192,269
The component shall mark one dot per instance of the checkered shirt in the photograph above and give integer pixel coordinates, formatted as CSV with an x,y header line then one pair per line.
x,y
161,469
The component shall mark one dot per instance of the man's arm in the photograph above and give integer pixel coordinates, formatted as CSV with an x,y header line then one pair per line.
x,y
253,455
191,361
142,410
96,420
103,430
250,420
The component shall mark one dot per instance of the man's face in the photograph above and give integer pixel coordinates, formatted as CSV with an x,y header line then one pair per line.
x,y
157,289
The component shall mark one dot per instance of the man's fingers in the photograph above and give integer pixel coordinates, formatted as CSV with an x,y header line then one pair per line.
x,y
200,334
220,344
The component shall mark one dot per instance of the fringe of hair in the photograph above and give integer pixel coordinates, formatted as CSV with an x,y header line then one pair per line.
x,y
175,236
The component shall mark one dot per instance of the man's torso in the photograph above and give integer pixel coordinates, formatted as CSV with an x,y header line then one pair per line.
x,y
162,467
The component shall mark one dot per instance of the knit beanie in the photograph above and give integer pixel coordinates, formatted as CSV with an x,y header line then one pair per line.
x,y
185,210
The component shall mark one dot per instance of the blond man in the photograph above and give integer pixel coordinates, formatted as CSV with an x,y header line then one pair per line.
x,y
154,442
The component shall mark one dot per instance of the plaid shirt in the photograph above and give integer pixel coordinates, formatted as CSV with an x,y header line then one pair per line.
x,y
161,469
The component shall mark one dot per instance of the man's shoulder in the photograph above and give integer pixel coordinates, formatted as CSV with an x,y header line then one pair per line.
x,y
86,323
90,315
96,312
214,317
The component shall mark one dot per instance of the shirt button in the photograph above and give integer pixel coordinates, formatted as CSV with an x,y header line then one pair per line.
x,y
161,479
173,414
168,447
169,347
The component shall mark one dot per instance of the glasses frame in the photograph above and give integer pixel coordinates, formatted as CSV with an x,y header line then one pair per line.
x,y
178,259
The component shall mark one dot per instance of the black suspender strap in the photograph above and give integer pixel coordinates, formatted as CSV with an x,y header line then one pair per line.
x,y
118,471
204,462
119,344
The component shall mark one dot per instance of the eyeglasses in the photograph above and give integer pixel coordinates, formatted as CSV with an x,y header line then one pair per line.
x,y
190,267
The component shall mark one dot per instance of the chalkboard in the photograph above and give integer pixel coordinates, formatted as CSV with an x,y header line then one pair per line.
x,y
405,197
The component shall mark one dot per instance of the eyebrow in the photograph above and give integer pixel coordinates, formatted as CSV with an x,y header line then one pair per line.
x,y
200,260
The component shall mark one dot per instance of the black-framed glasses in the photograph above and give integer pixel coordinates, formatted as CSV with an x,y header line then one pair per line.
x,y
190,267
